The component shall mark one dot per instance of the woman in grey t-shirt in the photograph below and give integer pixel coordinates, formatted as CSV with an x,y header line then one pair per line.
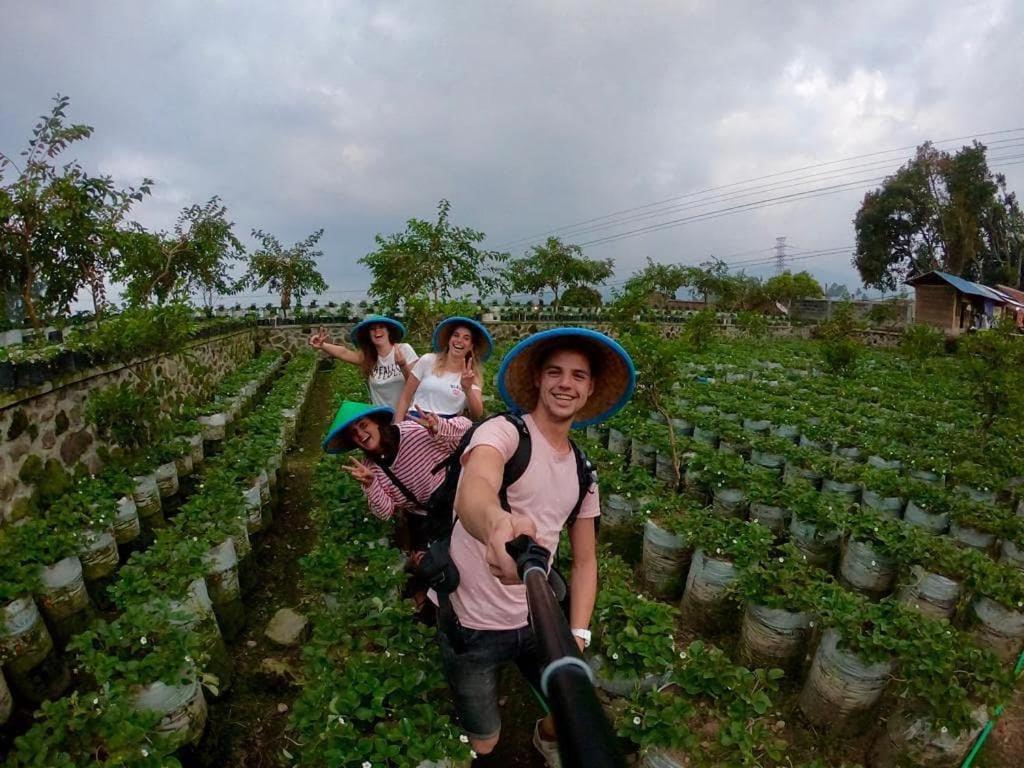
x,y
386,362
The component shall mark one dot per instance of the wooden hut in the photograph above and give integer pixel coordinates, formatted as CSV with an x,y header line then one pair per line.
x,y
954,305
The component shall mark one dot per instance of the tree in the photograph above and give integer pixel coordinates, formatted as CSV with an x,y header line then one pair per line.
x,y
56,222
432,259
554,265
289,271
667,278
940,211
195,255
582,296
788,288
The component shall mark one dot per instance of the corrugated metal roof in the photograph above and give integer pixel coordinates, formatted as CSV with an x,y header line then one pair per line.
x,y
964,286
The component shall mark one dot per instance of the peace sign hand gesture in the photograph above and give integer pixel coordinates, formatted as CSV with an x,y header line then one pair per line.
x,y
426,419
360,472
317,340
399,356
467,376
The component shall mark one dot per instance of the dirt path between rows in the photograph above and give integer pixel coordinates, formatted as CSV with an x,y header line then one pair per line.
x,y
247,726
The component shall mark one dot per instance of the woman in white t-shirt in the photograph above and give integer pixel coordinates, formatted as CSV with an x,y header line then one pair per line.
x,y
386,363
449,380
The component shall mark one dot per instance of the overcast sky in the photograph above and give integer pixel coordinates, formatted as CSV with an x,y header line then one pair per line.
x,y
528,116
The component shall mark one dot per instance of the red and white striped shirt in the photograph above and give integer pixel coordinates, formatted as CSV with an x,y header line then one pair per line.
x,y
418,453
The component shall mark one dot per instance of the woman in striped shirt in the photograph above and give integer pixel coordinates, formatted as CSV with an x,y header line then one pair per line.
x,y
396,471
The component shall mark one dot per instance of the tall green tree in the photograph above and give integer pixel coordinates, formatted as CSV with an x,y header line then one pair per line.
x,y
56,220
434,260
292,272
940,211
556,265
195,256
788,288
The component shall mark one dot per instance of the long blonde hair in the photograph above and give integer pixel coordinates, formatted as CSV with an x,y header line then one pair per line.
x,y
479,347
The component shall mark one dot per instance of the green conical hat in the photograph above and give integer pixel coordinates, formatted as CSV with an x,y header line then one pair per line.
x,y
349,413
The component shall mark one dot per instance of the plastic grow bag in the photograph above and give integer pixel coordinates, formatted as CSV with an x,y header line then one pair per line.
x,y
664,468
773,638
64,599
195,446
201,619
224,588
983,541
937,523
126,522
147,501
167,479
997,628
24,639
253,508
730,502
623,687
890,506
707,604
182,708
214,427
930,593
864,568
664,562
775,519
643,455
910,740
820,548
849,491
617,442
617,510
841,688
795,472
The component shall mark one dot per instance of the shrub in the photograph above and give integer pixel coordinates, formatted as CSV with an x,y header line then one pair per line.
x,y
752,324
921,342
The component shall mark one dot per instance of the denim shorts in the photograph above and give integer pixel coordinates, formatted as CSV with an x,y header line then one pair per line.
x,y
472,659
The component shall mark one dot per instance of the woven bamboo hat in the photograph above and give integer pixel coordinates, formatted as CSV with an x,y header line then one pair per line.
x,y
337,441
396,331
614,381
481,336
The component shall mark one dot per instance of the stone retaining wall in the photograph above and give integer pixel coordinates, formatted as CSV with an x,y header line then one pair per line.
x,y
49,421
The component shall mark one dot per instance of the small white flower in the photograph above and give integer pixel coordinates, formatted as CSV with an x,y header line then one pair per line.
x,y
944,729
472,753
810,624
873,563
464,738
143,640
637,720
145,752
615,657
782,559
95,702
341,720
682,654
367,764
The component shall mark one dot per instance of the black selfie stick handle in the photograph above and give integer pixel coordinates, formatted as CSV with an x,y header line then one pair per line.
x,y
585,737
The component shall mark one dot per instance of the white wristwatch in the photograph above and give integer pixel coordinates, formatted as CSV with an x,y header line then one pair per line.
x,y
584,635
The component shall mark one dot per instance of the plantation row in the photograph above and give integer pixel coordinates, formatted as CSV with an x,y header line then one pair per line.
x,y
139,674
751,541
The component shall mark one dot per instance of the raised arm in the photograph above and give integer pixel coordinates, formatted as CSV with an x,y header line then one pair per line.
x,y
474,392
319,341
481,513
408,393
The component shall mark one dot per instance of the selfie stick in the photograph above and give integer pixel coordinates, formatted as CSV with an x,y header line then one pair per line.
x,y
585,737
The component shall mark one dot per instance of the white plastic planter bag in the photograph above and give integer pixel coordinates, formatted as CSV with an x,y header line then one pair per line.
x,y
841,688
253,508
64,599
643,455
264,483
290,419
202,620
773,638
879,463
789,432
24,639
864,568
664,469
182,708
167,479
147,501
126,523
624,687
682,427
795,472
819,547
937,523
977,494
773,462
98,554
999,629
214,427
617,442
658,758
909,740
665,561
195,447
730,502
706,603
850,452
930,593
983,541
617,510
890,506
706,436
849,491
184,465
224,588
926,476
775,519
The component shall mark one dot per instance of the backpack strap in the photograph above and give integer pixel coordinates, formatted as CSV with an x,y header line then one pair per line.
x,y
515,466
586,475
399,484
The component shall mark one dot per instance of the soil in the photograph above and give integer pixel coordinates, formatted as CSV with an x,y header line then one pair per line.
x,y
247,725
1005,745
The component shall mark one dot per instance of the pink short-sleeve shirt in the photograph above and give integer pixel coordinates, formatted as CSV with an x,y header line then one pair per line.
x,y
546,492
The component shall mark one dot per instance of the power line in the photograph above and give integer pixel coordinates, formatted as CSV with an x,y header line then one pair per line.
x,y
778,174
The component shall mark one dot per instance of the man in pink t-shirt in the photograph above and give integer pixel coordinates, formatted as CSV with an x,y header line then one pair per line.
x,y
560,379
